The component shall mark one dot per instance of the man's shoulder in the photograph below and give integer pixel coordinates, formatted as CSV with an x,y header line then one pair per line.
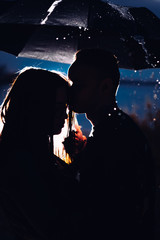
x,y
131,128
117,123
120,131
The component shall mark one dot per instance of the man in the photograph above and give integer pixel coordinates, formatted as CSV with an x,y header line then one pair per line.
x,y
116,168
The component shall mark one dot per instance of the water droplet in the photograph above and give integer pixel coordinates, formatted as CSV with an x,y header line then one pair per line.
x,y
155,96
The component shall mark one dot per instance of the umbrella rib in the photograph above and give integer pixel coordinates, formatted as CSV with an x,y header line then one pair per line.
x,y
50,10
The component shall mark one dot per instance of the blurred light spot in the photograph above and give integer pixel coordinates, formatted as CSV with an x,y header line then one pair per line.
x,y
155,96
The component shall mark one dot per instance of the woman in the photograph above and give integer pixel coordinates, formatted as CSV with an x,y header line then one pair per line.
x,y
34,110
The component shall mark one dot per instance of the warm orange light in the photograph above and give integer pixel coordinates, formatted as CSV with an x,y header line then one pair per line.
x,y
58,140
1,126
59,150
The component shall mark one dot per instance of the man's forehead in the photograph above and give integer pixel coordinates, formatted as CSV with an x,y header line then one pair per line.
x,y
77,70
77,65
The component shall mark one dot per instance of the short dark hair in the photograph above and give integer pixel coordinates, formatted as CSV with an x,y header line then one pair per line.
x,y
102,60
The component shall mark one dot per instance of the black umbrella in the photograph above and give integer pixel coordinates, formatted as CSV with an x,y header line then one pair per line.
x,y
55,30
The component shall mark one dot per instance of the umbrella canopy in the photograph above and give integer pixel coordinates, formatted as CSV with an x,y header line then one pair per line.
x,y
55,30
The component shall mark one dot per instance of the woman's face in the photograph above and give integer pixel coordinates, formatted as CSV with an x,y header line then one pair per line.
x,y
49,115
60,110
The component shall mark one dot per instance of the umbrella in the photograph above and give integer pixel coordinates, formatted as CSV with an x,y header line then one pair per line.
x,y
55,30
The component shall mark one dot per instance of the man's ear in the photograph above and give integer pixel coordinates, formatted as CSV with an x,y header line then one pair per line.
x,y
106,86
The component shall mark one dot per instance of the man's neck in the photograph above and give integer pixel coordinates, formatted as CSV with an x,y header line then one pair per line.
x,y
99,113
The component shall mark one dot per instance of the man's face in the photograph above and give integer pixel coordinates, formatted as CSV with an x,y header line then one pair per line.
x,y
84,91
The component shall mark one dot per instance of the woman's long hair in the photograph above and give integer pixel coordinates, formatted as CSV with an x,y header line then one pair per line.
x,y
33,88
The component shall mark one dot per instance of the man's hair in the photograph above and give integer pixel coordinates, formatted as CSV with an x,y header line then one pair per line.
x,y
104,61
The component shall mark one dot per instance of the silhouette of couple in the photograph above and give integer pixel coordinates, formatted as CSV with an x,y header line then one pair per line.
x,y
112,197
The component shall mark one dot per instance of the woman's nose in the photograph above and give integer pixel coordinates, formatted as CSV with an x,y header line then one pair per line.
x,y
66,115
